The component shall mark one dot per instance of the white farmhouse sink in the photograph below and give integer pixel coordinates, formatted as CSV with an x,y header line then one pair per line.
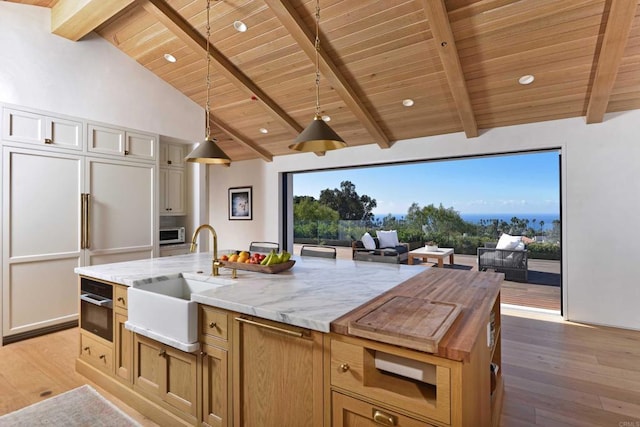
x,y
162,309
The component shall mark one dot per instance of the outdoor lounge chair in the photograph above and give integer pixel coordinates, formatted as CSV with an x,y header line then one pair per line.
x,y
512,262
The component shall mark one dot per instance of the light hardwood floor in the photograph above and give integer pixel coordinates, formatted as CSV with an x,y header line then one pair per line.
x,y
556,373
41,367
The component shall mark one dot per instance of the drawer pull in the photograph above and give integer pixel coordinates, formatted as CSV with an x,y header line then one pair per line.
x,y
163,353
103,357
213,325
87,349
120,299
271,328
384,418
344,367
48,141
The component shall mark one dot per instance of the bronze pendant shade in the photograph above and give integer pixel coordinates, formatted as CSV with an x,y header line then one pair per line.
x,y
317,137
208,152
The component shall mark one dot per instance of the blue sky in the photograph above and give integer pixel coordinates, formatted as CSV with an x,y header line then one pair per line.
x,y
518,184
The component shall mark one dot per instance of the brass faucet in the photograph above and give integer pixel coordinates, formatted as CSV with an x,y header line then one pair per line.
x,y
215,263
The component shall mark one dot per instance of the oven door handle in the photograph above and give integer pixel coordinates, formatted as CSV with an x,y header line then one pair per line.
x,y
108,303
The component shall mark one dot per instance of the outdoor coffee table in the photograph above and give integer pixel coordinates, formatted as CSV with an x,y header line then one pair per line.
x,y
439,254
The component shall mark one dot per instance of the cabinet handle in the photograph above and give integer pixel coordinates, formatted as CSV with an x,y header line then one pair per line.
x,y
121,299
87,348
103,357
126,152
213,325
344,367
48,141
168,162
162,353
384,418
203,353
271,328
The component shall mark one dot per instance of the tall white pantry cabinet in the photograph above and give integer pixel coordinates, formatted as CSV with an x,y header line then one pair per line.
x,y
74,193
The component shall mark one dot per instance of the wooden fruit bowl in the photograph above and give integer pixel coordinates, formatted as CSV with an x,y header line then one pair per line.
x,y
269,269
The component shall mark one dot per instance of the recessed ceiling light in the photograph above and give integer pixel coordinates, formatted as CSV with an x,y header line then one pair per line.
x,y
326,118
170,57
407,102
264,130
240,26
526,80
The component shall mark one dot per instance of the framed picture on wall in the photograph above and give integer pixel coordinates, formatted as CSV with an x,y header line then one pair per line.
x,y
240,203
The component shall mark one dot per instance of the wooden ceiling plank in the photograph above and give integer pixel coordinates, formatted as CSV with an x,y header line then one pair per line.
x,y
616,33
440,27
292,21
74,19
264,154
189,35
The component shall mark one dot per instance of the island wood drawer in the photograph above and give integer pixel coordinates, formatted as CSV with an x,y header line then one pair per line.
x,y
213,324
96,353
348,411
353,369
120,296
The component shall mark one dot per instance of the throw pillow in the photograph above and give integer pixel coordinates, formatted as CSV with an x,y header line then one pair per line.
x,y
388,239
368,242
507,241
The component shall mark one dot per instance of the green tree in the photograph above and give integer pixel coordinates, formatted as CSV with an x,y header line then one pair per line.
x,y
306,208
347,202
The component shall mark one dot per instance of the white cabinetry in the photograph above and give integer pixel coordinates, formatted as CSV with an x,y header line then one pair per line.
x,y
121,215
120,142
48,229
172,180
36,128
41,238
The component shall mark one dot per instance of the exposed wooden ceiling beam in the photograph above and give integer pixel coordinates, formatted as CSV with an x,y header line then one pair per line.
x,y
264,154
189,35
306,40
74,19
441,29
616,34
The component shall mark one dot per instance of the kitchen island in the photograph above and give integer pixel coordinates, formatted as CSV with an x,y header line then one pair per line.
x,y
261,332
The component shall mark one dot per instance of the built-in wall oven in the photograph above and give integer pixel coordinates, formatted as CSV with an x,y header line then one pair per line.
x,y
96,308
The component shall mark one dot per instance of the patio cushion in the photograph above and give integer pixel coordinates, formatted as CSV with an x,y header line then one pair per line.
x,y
388,239
368,242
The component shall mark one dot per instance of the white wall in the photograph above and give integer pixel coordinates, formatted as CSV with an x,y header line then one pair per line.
x,y
600,200
89,79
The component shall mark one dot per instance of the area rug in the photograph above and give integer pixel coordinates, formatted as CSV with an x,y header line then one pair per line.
x,y
82,406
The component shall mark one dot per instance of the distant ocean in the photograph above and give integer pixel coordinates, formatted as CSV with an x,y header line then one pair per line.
x,y
475,218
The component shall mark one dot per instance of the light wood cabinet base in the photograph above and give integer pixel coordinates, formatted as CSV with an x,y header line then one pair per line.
x,y
150,409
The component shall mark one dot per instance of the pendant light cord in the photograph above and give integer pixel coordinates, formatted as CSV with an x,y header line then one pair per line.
x,y
317,44
207,105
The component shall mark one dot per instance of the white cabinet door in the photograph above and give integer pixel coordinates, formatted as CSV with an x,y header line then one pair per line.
x,y
122,217
41,238
106,140
172,192
172,155
140,146
33,128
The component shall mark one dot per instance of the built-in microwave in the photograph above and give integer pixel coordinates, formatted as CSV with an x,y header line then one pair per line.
x,y
96,308
171,235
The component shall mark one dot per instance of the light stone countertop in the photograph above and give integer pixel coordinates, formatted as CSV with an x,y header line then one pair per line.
x,y
311,295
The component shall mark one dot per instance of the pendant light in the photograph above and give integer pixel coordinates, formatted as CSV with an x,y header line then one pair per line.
x,y
208,151
318,136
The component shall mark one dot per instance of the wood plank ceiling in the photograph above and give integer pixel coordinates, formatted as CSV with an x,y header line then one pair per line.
x,y
458,60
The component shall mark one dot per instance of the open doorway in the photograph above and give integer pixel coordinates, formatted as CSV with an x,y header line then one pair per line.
x,y
461,203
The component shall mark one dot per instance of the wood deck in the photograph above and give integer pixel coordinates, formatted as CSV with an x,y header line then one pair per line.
x,y
543,291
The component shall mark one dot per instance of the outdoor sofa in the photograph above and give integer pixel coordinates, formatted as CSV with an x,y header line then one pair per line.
x,y
393,252
511,259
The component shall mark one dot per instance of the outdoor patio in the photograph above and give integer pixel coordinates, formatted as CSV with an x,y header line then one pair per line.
x,y
541,291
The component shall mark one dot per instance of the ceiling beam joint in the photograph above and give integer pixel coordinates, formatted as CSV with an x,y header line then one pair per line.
x,y
615,38
292,21
436,12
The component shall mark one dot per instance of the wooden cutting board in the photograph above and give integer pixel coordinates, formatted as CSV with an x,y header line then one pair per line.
x,y
414,323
